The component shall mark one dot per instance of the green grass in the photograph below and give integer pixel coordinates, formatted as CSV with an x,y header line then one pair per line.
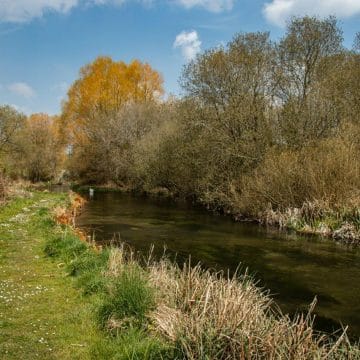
x,y
62,299
133,344
128,299
42,315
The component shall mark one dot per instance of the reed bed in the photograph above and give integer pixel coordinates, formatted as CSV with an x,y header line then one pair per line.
x,y
210,315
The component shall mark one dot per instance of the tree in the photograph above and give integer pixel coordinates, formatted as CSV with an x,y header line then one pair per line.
x,y
225,80
107,155
307,41
301,61
11,122
231,86
41,152
94,113
104,86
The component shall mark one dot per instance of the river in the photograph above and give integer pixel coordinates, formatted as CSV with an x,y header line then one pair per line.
x,y
293,268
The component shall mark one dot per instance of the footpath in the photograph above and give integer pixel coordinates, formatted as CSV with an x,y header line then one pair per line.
x,y
42,316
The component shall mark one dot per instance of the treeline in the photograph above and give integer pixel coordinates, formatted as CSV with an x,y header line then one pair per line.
x,y
263,126
30,147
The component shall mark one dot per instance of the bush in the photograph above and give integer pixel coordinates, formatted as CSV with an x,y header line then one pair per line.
x,y
327,172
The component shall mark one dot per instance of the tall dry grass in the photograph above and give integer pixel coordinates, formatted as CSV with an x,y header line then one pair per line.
x,y
206,315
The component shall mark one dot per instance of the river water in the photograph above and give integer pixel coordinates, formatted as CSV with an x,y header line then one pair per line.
x,y
293,268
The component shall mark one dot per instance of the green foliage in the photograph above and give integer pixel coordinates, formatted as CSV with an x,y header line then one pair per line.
x,y
128,299
66,246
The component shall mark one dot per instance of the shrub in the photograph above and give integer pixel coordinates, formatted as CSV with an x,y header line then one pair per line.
x,y
326,172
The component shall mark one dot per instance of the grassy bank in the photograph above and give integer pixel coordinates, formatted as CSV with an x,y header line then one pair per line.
x,y
42,315
342,224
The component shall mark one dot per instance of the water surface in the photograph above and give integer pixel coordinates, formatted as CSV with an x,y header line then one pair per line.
x,y
294,268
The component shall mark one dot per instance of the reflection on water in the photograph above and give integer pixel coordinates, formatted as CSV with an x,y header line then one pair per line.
x,y
294,268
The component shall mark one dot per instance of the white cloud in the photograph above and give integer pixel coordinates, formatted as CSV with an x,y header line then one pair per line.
x,y
20,11
22,89
210,5
278,11
189,44
25,10
104,2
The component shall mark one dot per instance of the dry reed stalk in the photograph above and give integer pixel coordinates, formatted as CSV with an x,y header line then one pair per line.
x,y
208,315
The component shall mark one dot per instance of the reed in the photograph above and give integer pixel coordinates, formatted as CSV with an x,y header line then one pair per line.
x,y
210,315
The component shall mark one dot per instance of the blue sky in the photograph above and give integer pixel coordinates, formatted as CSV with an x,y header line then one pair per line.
x,y
43,43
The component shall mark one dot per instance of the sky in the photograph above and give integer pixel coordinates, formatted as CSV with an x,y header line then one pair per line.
x,y
44,43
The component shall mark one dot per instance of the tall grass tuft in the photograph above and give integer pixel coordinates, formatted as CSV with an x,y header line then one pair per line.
x,y
127,300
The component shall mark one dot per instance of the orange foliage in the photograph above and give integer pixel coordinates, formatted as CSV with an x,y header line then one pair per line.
x,y
41,126
104,86
66,216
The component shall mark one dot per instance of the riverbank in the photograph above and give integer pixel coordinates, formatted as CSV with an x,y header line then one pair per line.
x,y
342,225
313,218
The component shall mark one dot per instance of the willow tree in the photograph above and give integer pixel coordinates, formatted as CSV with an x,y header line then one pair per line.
x,y
228,95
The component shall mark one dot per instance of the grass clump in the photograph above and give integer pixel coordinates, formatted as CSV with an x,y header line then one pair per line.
x,y
127,301
65,246
89,270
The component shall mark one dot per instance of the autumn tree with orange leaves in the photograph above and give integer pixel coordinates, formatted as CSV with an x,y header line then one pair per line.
x,y
93,114
104,87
